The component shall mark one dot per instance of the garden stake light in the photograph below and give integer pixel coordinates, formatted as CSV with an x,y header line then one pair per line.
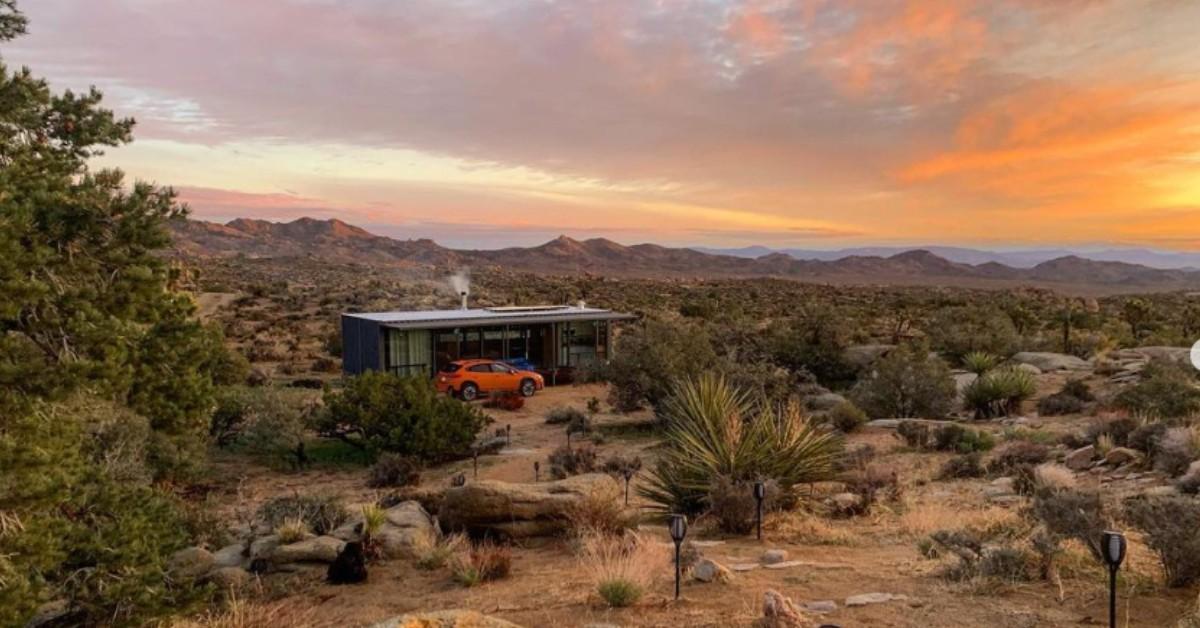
x,y
760,493
628,473
475,461
678,532
537,467
508,435
1113,545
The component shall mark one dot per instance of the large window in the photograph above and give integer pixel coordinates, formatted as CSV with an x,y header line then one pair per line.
x,y
578,342
407,352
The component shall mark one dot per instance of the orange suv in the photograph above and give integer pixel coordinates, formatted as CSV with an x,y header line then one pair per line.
x,y
468,378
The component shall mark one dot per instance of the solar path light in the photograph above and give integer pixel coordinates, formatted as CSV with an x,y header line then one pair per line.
x,y
508,435
628,473
1112,545
537,467
760,493
678,532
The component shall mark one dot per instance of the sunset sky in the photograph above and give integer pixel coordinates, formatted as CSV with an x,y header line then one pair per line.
x,y
808,124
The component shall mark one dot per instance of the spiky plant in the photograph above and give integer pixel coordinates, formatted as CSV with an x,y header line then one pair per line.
x,y
979,362
999,392
715,430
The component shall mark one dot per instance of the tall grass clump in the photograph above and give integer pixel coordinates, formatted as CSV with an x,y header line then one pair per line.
x,y
715,430
623,568
979,362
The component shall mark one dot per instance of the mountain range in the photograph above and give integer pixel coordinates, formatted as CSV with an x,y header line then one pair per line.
x,y
338,241
1015,258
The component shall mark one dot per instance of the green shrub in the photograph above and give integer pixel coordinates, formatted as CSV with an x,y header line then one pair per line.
x,y
1072,513
955,437
714,430
403,415
959,331
1059,404
1168,524
963,466
847,417
650,357
979,362
734,507
1015,455
567,461
999,392
392,470
906,383
619,592
813,341
564,415
1167,390
321,513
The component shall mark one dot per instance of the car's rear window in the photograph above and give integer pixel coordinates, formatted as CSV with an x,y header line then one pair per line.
x,y
451,368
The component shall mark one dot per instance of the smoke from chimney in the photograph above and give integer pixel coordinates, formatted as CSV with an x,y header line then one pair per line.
x,y
460,282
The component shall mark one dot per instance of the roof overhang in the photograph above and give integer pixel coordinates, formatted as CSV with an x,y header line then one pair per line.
x,y
448,319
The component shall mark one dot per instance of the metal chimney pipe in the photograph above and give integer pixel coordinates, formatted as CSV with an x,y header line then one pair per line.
x,y
464,299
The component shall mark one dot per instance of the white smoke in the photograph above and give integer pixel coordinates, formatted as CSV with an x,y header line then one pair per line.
x,y
460,281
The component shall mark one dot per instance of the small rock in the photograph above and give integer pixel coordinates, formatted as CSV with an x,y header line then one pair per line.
x,y
263,546
230,556
864,599
708,570
1121,455
772,556
740,567
707,543
787,564
820,606
1080,459
191,562
846,501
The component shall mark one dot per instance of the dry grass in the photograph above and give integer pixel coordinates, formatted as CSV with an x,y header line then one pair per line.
x,y
291,531
433,551
600,512
241,613
806,527
623,568
926,518
1053,476
481,562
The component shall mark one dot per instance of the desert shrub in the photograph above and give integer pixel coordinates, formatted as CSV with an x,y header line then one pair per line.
x,y
979,362
846,417
1166,390
856,457
872,485
619,466
1189,482
403,415
955,437
321,513
714,430
504,400
600,512
1059,404
481,562
999,392
567,461
434,551
958,331
1072,513
393,470
906,383
963,466
622,568
733,506
1078,389
1177,448
563,415
650,357
814,341
1168,524
915,434
274,427
977,559
579,424
1050,476
1147,436
1015,454
1117,429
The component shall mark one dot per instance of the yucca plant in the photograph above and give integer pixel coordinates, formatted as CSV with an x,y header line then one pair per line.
x,y
999,392
979,362
374,516
715,430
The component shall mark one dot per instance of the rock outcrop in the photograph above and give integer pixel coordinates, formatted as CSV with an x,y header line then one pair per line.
x,y
445,619
1047,361
519,510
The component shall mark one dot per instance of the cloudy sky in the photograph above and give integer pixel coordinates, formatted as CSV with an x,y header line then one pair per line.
x,y
818,124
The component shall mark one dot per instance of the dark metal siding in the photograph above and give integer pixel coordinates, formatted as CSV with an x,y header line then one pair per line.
x,y
360,345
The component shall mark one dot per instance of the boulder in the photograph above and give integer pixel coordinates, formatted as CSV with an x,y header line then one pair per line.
x,y
263,546
521,510
845,502
1029,368
780,612
1081,458
1183,355
708,570
1118,456
229,577
963,380
772,556
230,556
321,549
863,356
190,562
1047,361
445,619
406,526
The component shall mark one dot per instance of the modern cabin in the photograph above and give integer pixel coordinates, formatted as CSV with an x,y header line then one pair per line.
x,y
549,338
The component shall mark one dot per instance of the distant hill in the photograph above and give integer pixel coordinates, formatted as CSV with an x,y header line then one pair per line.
x,y
339,241
1015,259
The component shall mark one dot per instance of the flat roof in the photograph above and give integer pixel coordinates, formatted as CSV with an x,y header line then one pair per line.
x,y
509,315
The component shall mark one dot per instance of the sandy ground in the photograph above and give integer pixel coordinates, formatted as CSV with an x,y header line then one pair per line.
x,y
549,585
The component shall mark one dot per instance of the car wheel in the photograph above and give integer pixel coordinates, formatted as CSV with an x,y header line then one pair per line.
x,y
528,387
469,391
